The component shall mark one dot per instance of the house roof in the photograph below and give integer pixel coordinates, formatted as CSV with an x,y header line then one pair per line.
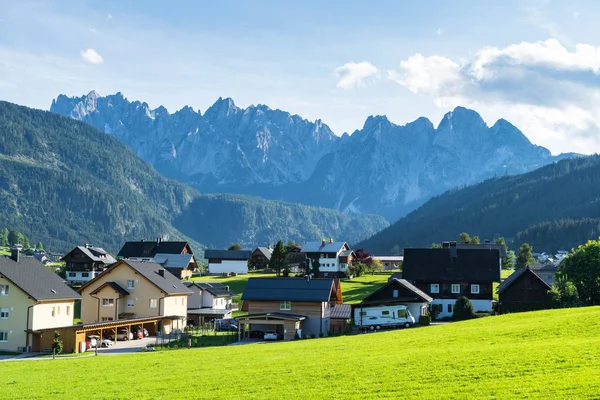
x,y
267,253
290,289
479,246
406,284
296,317
341,311
95,254
174,260
208,311
39,282
148,249
168,283
228,254
214,288
114,285
512,278
328,247
345,253
471,265
544,267
389,258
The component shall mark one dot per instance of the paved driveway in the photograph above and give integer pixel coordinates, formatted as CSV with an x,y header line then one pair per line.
x,y
126,346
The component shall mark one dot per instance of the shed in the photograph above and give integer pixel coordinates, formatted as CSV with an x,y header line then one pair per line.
x,y
523,290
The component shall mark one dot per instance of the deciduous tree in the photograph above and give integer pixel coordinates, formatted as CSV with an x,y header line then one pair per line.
x,y
582,267
234,246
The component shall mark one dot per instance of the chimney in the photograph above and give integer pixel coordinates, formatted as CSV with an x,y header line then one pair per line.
x,y
486,241
161,272
452,247
308,278
322,242
445,245
227,288
15,254
330,240
86,245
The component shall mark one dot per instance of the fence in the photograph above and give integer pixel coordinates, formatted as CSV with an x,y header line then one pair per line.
x,y
200,336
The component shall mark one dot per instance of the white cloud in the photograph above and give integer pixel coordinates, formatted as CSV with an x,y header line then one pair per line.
x,y
91,56
353,75
552,93
439,31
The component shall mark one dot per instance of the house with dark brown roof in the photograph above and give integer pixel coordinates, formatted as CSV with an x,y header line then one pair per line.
x,y
176,257
84,263
523,290
449,273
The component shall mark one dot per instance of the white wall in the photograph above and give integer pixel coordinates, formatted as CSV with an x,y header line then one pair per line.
x,y
42,315
333,262
228,266
79,278
478,305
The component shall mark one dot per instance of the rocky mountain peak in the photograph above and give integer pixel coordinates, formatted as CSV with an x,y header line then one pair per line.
x,y
223,107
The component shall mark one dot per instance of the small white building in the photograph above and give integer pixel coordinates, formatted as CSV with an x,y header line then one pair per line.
x,y
334,257
209,301
390,262
227,261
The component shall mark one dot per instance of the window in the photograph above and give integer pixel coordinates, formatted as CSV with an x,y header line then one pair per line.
x,y
450,307
322,256
285,305
363,313
130,284
395,293
455,288
68,311
3,313
402,314
3,336
475,289
385,312
53,311
130,303
85,274
183,301
72,274
435,288
107,319
58,310
108,302
3,290
153,303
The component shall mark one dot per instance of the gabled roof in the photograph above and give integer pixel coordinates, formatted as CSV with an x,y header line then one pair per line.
x,y
327,247
512,278
479,246
114,285
267,253
37,281
214,288
290,289
147,249
228,254
406,284
544,267
94,253
174,260
168,283
470,265
341,311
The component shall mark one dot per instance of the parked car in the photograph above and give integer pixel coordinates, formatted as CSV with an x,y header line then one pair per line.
x,y
106,343
141,333
124,334
227,328
271,335
93,341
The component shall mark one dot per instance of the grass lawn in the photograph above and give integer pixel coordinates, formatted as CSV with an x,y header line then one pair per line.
x,y
356,289
540,355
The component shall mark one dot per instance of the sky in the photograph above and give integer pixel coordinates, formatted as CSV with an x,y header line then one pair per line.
x,y
535,63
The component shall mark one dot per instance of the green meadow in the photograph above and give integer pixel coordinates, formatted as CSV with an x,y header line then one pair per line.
x,y
551,354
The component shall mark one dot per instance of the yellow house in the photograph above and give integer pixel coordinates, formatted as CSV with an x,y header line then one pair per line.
x,y
131,290
32,298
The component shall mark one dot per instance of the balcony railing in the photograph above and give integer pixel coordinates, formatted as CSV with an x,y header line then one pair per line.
x,y
232,307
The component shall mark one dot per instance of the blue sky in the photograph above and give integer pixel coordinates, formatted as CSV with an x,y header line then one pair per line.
x,y
532,62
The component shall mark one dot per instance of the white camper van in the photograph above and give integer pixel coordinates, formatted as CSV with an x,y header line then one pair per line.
x,y
383,317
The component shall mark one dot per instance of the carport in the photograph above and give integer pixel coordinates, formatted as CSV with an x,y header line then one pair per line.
x,y
286,324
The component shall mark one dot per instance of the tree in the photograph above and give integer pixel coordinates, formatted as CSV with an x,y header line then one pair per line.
x,y
362,256
436,246
564,293
315,266
278,258
582,267
290,245
525,257
4,237
475,240
39,246
234,246
463,309
357,269
57,345
375,266
508,262
15,237
464,238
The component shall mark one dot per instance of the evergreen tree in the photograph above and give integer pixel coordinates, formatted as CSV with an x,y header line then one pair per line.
x,y
315,267
278,258
463,309
525,257
4,237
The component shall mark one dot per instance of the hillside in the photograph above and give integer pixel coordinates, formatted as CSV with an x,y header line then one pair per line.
x,y
382,168
541,355
555,207
64,183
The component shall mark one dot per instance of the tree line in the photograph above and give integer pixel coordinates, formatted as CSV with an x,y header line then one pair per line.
x,y
13,237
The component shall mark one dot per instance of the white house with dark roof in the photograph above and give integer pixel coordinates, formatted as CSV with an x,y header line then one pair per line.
x,y
32,298
227,261
334,257
208,301
84,263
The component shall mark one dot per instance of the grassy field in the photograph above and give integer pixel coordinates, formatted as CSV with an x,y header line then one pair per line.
x,y
541,355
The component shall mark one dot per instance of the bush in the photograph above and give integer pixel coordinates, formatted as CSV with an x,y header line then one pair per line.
x,y
482,314
463,310
321,335
434,311
297,336
424,320
312,336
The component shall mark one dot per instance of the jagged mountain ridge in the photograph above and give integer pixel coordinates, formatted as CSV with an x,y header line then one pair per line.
x,y
382,168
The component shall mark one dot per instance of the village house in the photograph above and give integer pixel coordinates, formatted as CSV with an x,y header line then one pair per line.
x,y
133,290
209,301
227,261
545,271
523,290
448,273
32,298
84,263
261,256
176,257
389,262
289,306
334,257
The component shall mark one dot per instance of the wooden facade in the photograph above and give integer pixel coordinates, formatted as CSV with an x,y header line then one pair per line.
x,y
526,292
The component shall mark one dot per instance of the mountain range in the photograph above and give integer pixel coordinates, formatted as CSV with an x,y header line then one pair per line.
x,y
556,207
65,183
383,168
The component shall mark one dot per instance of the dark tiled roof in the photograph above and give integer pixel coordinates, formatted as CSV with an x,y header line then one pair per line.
x,y
228,254
267,253
512,278
341,311
472,265
147,249
290,289
115,286
406,284
479,246
274,315
167,283
36,280
543,267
